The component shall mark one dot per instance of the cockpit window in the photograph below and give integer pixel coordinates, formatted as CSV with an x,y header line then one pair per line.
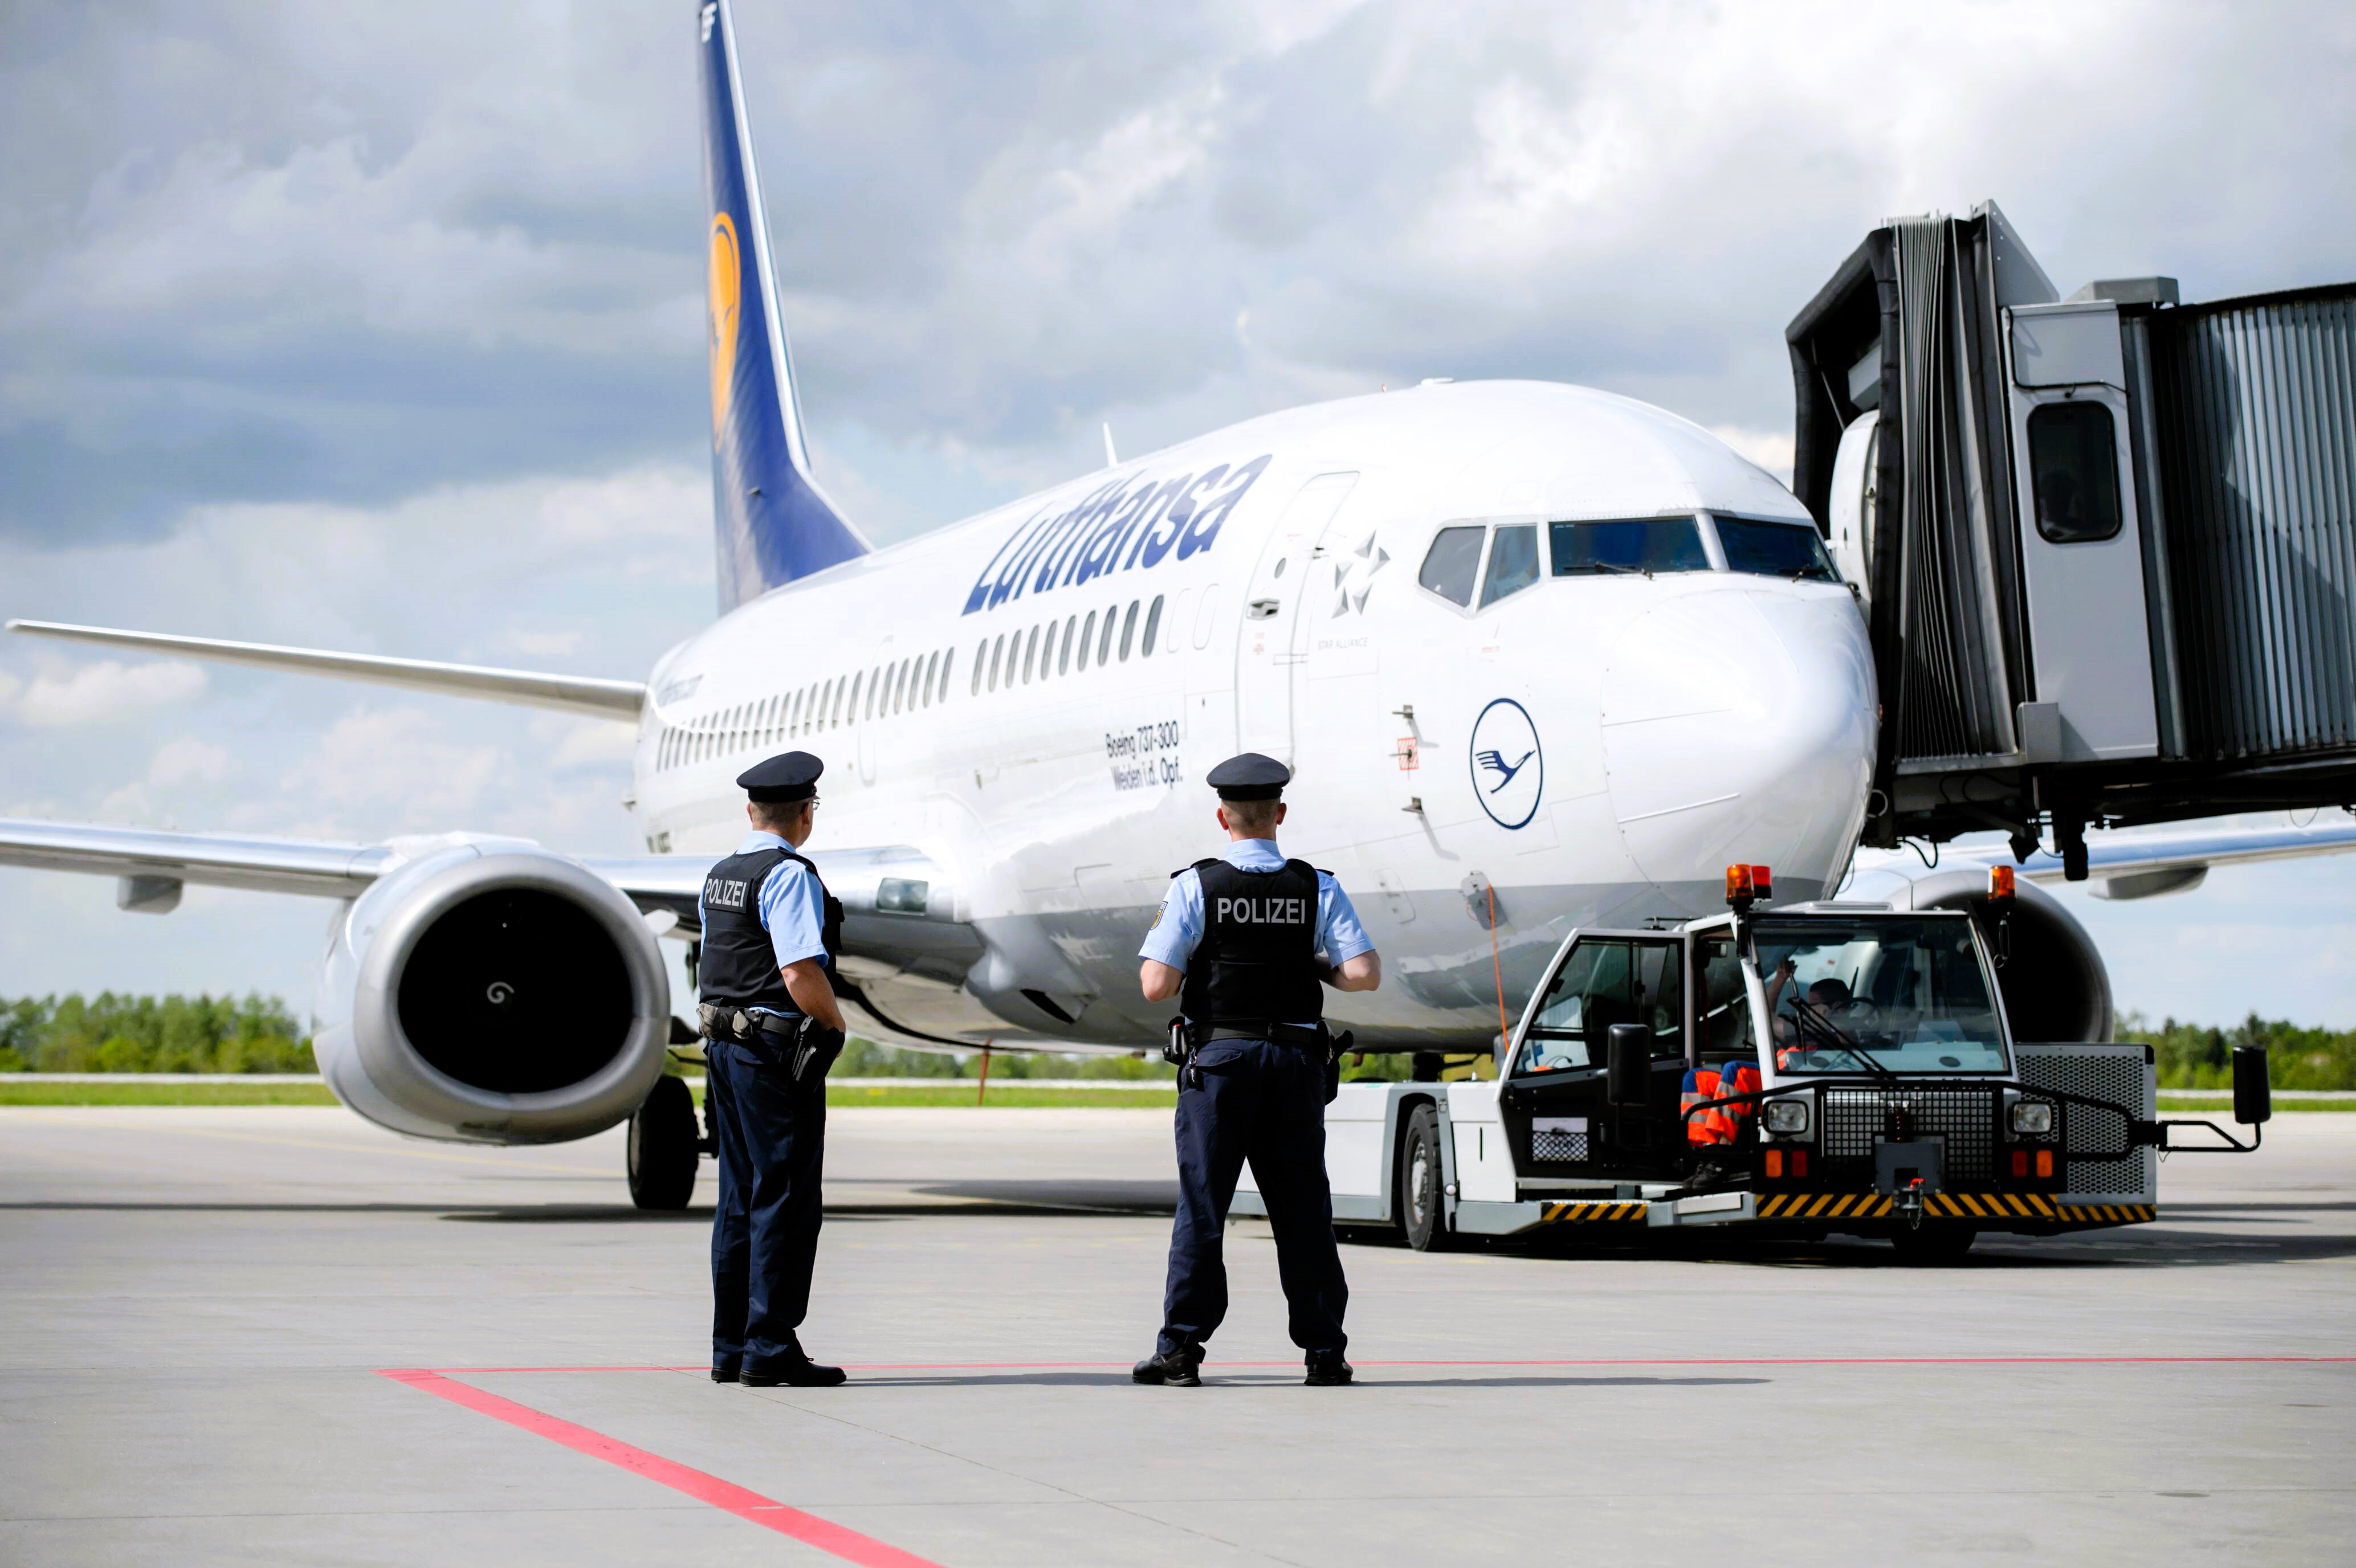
x,y
1645,545
1513,562
1450,565
1776,549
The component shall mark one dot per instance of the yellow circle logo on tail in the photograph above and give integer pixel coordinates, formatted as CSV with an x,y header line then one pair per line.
x,y
726,292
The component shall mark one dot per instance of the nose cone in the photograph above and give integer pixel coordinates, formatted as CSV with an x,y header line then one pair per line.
x,y
1739,726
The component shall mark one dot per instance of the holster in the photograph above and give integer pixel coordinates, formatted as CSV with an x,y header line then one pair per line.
x,y
792,1043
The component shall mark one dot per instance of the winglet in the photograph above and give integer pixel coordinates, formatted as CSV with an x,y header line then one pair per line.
x,y
774,524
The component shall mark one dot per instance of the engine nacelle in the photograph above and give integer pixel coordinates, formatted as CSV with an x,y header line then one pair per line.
x,y
492,992
2056,987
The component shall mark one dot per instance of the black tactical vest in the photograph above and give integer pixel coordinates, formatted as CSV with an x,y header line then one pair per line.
x,y
740,963
1258,960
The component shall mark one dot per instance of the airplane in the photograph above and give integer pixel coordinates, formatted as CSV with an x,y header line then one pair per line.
x,y
1394,593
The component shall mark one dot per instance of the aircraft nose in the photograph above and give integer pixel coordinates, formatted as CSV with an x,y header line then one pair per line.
x,y
1739,726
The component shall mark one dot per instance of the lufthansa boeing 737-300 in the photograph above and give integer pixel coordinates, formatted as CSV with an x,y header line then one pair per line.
x,y
1541,656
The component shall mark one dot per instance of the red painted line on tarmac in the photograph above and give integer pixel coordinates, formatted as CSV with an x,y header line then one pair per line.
x,y
1676,1361
1540,1361
767,1512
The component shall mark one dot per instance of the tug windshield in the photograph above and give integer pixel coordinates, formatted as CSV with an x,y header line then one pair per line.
x,y
1909,991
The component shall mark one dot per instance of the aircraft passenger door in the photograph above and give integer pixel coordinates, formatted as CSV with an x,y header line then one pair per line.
x,y
1271,640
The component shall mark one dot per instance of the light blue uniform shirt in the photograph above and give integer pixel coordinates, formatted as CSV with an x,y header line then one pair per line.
x,y
1178,930
793,907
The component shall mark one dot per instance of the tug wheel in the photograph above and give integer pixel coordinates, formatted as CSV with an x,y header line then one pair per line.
x,y
1422,1206
1932,1243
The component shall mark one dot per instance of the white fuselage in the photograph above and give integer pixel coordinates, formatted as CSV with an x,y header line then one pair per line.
x,y
1640,731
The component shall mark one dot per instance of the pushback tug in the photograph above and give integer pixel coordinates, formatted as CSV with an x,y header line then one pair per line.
x,y
1818,1068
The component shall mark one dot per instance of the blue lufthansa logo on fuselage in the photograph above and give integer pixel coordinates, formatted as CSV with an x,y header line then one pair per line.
x,y
1131,523
1508,765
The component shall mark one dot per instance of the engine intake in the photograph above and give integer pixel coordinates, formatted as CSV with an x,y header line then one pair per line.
x,y
494,992
2056,986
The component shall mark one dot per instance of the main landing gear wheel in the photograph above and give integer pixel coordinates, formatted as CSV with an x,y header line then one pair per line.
x,y
1423,1213
1932,1243
662,1148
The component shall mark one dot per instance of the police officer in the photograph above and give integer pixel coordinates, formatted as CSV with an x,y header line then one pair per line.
x,y
771,931
1244,940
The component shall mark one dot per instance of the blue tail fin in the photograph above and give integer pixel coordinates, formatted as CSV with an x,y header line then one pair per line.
x,y
775,523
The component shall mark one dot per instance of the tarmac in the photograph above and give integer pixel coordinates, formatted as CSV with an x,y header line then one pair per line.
x,y
277,1334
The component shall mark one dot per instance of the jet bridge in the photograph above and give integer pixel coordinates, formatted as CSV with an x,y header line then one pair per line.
x,y
2106,545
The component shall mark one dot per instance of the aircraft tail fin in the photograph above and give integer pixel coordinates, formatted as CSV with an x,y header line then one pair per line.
x,y
774,524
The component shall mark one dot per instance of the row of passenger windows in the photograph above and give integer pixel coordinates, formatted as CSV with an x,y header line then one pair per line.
x,y
1047,649
1639,546
918,681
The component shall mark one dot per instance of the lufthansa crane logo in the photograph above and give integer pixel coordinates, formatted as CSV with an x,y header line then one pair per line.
x,y
1508,764
725,297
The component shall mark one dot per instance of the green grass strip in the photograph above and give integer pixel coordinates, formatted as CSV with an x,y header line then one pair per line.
x,y
231,1094
2175,1100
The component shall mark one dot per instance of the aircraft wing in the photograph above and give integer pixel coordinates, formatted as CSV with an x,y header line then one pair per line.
x,y
2144,865
892,897
584,695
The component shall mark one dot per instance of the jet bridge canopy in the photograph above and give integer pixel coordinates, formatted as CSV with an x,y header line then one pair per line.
x,y
2106,545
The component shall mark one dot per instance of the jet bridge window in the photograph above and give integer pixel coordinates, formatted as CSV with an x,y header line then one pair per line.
x,y
1776,549
1452,562
1513,562
1636,545
2074,461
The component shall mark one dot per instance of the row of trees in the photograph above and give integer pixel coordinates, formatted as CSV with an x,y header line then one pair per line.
x,y
108,1033
2192,1056
865,1059
111,1033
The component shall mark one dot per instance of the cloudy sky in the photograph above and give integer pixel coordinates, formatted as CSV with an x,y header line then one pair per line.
x,y
379,328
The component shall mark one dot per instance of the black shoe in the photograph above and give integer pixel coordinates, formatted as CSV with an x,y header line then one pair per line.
x,y
724,1374
802,1373
1328,1374
1171,1368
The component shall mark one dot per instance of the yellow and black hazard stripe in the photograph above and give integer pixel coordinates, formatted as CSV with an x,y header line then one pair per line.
x,y
2106,1213
1953,1206
1989,1205
1823,1206
1593,1213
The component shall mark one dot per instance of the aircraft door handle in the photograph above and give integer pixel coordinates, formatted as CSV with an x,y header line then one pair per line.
x,y
1261,610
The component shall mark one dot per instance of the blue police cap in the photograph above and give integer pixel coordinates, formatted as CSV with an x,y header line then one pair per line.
x,y
786,777
1250,777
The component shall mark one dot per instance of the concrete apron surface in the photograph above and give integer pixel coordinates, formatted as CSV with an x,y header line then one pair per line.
x,y
201,1305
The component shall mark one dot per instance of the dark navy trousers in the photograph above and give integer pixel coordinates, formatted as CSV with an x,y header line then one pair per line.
x,y
771,1132
1265,1103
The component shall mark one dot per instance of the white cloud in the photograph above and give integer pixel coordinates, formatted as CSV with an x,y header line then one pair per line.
x,y
108,690
188,761
1769,449
597,743
546,644
400,765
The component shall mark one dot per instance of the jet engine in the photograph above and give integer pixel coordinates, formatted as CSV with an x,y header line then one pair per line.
x,y
2056,988
490,991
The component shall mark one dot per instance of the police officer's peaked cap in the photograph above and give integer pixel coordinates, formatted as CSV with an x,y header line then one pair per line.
x,y
1250,777
786,777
